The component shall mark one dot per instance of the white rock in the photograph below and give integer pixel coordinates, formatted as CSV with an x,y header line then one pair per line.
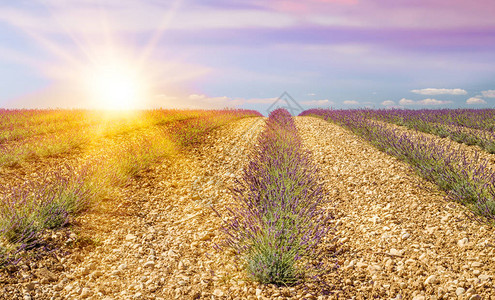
x,y
405,236
149,264
97,274
463,242
130,237
375,219
395,252
476,264
484,277
351,264
459,291
218,293
258,292
432,279
85,293
375,267
116,272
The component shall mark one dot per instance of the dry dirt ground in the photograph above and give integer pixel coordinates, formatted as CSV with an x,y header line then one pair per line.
x,y
155,238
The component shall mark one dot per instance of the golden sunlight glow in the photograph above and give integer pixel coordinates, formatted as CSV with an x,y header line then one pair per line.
x,y
115,87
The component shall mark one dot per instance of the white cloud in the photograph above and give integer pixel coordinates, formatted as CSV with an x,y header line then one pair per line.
x,y
475,100
405,101
351,102
388,103
425,102
433,91
317,102
433,102
311,94
488,94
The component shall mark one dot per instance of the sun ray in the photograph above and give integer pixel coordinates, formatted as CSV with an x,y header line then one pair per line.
x,y
153,41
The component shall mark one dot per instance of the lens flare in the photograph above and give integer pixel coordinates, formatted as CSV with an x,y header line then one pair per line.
x,y
115,86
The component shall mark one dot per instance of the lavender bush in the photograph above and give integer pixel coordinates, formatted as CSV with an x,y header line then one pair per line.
x,y
276,224
29,209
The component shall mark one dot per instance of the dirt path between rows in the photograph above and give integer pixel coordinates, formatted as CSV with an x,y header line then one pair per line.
x,y
401,238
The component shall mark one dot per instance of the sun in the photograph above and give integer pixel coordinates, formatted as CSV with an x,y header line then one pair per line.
x,y
115,86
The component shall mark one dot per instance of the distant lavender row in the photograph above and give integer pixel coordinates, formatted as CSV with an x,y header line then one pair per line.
x,y
467,180
185,125
469,126
276,224
482,119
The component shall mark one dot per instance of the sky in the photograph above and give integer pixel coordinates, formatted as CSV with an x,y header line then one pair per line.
x,y
239,53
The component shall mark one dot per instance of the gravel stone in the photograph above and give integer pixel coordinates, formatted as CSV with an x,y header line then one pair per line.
x,y
463,242
460,291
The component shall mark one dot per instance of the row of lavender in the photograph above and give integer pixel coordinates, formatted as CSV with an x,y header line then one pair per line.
x,y
469,126
275,224
466,179
482,119
52,199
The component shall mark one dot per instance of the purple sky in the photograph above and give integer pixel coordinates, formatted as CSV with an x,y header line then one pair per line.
x,y
218,53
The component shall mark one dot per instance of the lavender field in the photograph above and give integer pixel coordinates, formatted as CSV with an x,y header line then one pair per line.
x,y
229,204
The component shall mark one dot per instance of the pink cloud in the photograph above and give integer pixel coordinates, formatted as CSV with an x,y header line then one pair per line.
x,y
351,102
307,6
388,103
489,94
405,101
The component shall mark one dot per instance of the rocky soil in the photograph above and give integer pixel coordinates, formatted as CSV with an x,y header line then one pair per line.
x,y
398,237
